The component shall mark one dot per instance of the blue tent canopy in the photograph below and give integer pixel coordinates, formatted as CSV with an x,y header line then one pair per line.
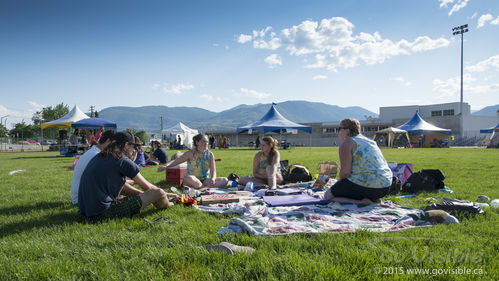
x,y
93,123
273,121
490,130
416,125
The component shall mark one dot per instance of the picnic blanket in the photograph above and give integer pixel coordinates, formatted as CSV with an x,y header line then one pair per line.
x,y
259,219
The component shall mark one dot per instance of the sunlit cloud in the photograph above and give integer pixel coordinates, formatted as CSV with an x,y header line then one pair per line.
x,y
334,45
174,89
319,77
401,80
252,93
490,63
487,18
273,60
456,5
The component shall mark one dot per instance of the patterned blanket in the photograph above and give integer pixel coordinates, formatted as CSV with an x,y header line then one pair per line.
x,y
259,219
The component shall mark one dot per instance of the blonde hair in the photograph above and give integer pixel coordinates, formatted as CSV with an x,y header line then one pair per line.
x,y
353,125
273,147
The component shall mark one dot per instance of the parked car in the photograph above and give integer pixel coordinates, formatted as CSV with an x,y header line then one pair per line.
x,y
48,142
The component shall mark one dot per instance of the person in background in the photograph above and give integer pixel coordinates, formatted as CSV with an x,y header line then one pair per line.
x,y
139,155
257,142
74,138
99,134
201,170
364,175
104,181
91,137
82,163
158,154
266,165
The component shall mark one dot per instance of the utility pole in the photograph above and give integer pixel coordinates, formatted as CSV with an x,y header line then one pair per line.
x,y
92,111
161,117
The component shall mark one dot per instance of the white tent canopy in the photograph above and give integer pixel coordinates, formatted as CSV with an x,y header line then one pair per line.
x,y
185,133
65,121
392,134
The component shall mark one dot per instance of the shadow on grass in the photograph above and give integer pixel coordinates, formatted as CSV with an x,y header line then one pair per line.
x,y
60,218
16,210
39,157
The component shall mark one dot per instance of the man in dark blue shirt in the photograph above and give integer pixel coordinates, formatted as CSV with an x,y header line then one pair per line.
x,y
104,181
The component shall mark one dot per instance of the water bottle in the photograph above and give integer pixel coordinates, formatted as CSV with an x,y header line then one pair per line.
x,y
249,186
232,184
494,203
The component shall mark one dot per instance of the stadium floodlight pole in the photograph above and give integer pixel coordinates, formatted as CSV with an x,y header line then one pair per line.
x,y
456,31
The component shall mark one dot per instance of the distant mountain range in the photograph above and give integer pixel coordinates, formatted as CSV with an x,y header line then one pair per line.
x,y
148,117
487,111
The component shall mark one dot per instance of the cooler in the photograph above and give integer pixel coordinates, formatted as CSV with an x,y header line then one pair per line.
x,y
175,175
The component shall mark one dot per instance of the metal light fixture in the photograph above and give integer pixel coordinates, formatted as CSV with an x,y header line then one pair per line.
x,y
456,31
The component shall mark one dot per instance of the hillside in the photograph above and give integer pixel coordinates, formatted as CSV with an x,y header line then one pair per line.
x,y
487,111
148,117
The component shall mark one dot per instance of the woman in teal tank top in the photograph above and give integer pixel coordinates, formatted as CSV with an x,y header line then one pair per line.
x,y
364,176
201,170
265,165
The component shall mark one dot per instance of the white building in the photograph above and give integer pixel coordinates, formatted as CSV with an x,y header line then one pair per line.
x,y
446,115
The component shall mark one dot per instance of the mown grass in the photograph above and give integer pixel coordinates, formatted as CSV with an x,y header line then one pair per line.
x,y
43,238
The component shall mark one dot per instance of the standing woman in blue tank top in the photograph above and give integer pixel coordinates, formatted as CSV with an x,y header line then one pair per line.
x,y
364,175
201,170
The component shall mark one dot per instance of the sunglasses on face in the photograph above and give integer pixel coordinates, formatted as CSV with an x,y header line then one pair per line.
x,y
342,128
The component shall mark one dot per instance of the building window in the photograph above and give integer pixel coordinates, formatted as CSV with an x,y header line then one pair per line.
x,y
449,112
436,113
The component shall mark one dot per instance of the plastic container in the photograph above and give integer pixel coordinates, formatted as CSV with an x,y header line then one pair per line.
x,y
249,186
494,203
232,184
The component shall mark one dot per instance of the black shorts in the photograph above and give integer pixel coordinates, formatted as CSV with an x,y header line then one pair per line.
x,y
121,208
348,189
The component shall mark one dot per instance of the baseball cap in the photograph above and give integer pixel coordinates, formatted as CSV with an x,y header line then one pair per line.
x,y
124,136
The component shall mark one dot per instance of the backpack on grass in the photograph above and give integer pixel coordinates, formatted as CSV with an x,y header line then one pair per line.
x,y
297,173
424,180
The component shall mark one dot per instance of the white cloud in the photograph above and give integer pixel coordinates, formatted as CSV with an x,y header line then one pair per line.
x,y
210,98
243,38
206,97
253,93
458,5
487,18
273,60
452,87
492,62
36,105
402,80
334,45
173,89
319,77
216,45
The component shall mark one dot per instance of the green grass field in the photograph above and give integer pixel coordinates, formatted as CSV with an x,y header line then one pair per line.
x,y
43,238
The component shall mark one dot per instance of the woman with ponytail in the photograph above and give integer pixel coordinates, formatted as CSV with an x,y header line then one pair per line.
x,y
265,165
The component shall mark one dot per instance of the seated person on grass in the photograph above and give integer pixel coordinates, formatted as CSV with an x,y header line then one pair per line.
x,y
201,170
104,181
82,163
265,165
158,154
364,175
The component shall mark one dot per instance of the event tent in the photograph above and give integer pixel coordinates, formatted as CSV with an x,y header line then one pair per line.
x,y
392,137
490,130
424,133
273,121
65,121
185,133
93,123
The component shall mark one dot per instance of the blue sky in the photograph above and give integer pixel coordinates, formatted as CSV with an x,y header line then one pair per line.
x,y
219,54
